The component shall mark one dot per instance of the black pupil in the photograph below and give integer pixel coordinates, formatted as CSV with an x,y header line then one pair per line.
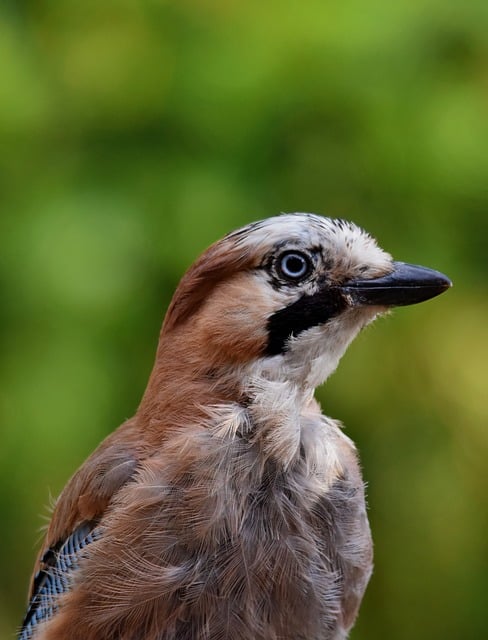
x,y
294,265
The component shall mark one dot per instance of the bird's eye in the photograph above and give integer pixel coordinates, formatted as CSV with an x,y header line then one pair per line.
x,y
293,265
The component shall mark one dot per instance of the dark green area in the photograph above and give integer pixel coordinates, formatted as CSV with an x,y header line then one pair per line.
x,y
133,134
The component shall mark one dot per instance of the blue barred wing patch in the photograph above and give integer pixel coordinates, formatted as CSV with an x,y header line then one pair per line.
x,y
54,577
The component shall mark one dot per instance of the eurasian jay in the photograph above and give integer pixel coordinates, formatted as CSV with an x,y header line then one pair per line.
x,y
229,507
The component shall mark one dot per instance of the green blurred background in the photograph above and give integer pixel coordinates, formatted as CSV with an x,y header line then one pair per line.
x,y
135,133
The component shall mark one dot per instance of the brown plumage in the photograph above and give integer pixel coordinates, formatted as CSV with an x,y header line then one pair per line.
x,y
229,507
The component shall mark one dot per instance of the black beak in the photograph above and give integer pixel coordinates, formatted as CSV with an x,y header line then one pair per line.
x,y
406,284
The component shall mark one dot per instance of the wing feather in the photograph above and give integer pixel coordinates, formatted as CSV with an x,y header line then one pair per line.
x,y
54,576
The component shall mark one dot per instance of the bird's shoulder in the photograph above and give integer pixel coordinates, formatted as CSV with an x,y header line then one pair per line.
x,y
91,488
76,517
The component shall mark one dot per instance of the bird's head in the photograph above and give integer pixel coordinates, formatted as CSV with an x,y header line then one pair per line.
x,y
281,299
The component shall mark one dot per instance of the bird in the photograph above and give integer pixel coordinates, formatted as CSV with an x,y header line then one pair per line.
x,y
230,507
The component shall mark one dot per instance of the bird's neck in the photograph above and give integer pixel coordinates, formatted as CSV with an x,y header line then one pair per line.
x,y
186,387
270,420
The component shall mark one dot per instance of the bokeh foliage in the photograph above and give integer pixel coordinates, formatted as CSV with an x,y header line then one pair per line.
x,y
134,133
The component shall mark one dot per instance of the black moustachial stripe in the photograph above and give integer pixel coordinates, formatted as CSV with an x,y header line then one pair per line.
x,y
305,313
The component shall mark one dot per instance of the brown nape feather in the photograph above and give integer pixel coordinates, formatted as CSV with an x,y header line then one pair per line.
x,y
214,323
197,363
218,262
